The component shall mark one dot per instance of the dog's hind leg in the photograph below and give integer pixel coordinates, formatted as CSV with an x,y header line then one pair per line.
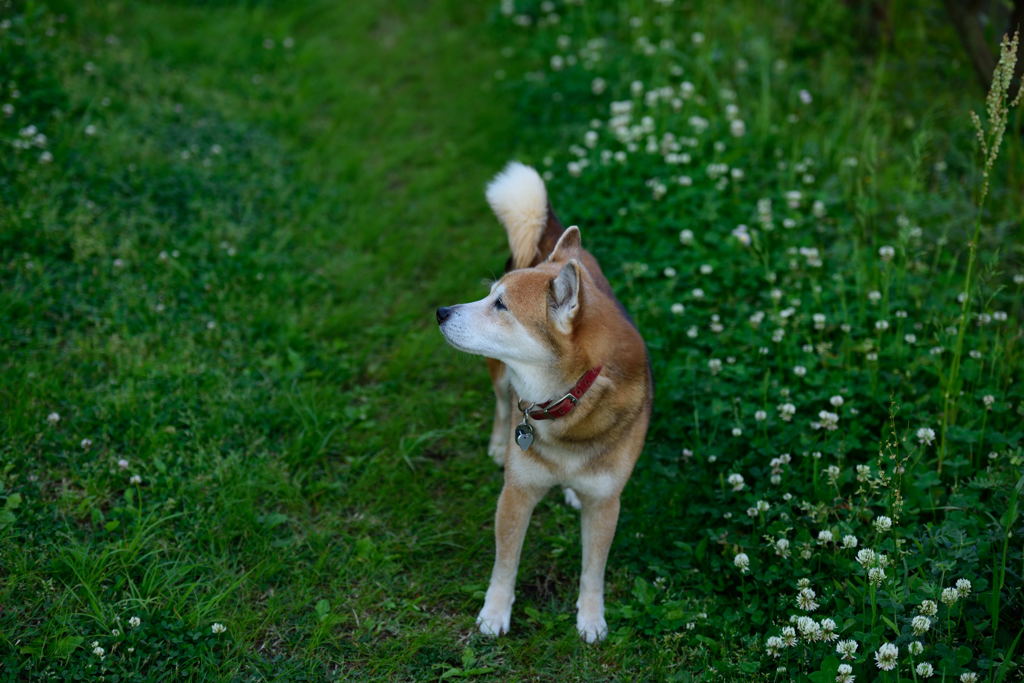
x,y
501,431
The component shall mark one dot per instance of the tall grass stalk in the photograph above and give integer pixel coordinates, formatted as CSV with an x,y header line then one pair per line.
x,y
998,105
999,570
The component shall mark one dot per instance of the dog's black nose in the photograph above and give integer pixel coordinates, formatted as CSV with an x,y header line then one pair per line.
x,y
443,314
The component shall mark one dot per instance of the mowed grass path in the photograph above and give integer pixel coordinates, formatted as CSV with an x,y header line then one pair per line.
x,y
229,286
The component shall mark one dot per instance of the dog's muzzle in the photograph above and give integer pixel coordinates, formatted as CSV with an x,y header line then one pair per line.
x,y
444,313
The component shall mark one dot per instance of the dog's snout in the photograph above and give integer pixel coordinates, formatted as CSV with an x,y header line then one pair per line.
x,y
443,314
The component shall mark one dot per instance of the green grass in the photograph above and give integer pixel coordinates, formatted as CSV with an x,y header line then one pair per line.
x,y
225,277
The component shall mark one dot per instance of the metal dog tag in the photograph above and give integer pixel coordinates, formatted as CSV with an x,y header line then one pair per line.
x,y
524,435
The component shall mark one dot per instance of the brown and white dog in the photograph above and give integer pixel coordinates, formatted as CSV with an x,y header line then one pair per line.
x,y
573,389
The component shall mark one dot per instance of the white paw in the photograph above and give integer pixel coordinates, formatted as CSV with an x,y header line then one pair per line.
x,y
571,499
494,621
496,449
591,629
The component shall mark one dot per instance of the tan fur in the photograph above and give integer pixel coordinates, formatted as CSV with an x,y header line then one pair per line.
x,y
561,320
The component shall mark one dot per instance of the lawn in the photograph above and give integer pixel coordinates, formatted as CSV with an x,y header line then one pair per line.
x,y
233,445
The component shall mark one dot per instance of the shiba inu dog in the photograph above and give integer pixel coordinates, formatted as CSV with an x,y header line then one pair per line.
x,y
573,389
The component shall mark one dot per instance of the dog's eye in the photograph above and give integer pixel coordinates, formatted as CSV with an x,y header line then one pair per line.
x,y
500,305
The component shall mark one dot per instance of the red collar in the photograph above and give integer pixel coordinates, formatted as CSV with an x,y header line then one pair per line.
x,y
560,407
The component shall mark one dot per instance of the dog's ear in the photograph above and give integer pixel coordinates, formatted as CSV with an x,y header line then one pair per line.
x,y
568,245
564,296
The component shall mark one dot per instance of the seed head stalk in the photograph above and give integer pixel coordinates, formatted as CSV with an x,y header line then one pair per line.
x,y
998,105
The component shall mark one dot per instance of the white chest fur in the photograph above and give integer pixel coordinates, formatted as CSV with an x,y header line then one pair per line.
x,y
547,465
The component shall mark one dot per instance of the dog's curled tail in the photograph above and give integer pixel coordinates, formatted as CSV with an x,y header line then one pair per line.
x,y
519,199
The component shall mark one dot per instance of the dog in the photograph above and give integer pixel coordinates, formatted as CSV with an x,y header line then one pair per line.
x,y
565,356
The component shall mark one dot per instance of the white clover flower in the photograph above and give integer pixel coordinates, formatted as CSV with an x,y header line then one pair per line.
x,y
135,479
949,596
598,86
741,233
773,645
809,628
847,649
925,670
97,650
849,541
969,677
886,656
805,97
886,252
735,481
988,400
963,587
876,575
915,648
760,415
53,418
863,472
715,366
742,562
920,624
836,401
799,371
928,608
218,628
844,674
86,444
782,547
737,128
824,536
788,636
865,557
787,411
697,293
134,622
122,463
805,600
882,523
925,436
762,506
910,338
677,308
881,325
829,421
828,630
669,271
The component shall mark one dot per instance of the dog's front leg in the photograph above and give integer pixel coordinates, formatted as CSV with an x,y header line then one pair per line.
x,y
515,505
598,525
